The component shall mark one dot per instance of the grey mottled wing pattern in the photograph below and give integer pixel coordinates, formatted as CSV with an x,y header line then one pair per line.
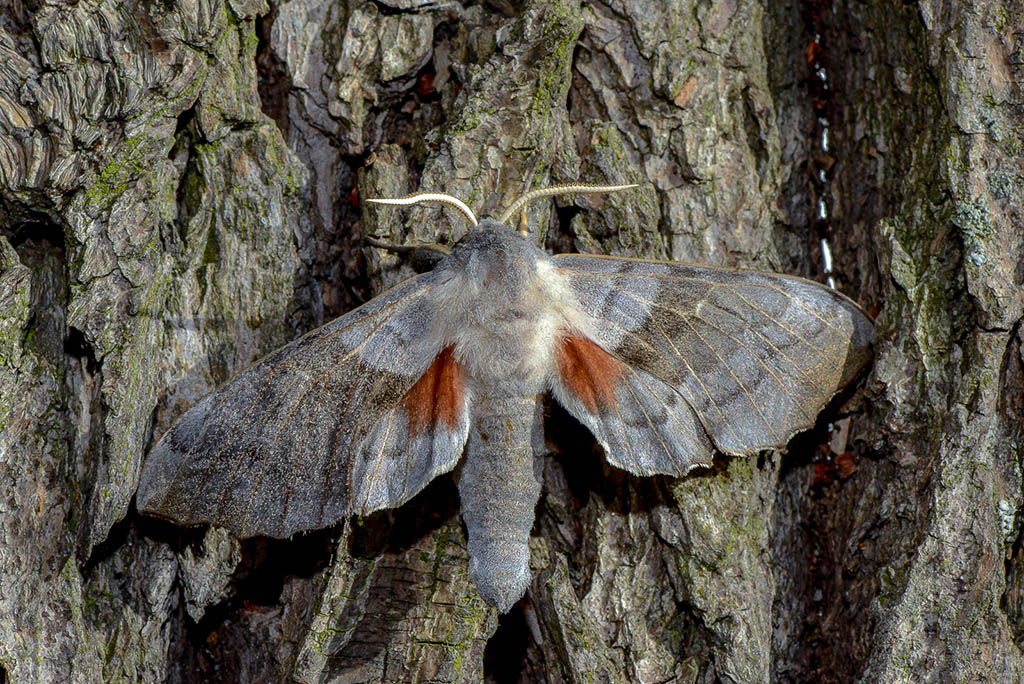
x,y
754,355
312,432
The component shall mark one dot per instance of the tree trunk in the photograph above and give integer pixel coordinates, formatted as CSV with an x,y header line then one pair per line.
x,y
179,194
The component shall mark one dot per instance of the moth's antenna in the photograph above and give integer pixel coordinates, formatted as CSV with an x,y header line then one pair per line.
x,y
558,190
418,197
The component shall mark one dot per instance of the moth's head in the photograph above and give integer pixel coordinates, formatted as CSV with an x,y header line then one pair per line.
x,y
495,259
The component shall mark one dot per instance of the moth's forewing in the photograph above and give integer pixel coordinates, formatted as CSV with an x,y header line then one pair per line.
x,y
755,355
314,431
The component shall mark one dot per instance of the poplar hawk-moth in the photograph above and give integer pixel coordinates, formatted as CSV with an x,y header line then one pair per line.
x,y
663,362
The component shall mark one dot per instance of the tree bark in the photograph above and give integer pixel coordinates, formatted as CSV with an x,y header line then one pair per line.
x,y
179,194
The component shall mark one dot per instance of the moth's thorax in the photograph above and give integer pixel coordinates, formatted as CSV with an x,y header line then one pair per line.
x,y
504,306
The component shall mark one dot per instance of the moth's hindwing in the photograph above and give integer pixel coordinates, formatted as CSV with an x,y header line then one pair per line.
x,y
643,424
355,416
746,359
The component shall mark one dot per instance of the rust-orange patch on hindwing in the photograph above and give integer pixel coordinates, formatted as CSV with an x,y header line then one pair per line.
x,y
589,372
436,396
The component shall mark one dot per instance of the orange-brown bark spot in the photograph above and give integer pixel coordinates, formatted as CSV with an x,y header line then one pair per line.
x,y
436,396
588,372
685,94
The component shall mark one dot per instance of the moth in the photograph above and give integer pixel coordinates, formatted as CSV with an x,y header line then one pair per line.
x,y
665,363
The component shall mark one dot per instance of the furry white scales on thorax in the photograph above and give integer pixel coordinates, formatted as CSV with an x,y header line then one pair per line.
x,y
505,306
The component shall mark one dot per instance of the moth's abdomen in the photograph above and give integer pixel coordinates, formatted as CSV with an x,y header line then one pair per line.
x,y
499,486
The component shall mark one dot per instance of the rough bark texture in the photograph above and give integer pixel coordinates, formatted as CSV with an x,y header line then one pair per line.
x,y
178,195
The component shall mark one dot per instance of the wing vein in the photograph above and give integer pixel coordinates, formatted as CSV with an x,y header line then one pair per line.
x,y
786,329
671,414
760,361
372,477
739,382
775,349
681,357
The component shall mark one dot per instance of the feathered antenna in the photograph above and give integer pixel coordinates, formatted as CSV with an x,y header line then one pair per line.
x,y
579,188
558,190
418,197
